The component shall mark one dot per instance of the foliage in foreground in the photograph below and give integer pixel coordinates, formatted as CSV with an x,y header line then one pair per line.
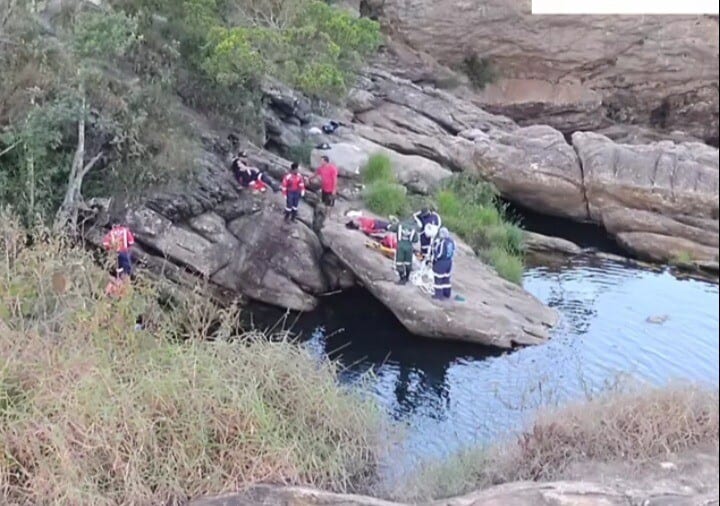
x,y
629,426
94,412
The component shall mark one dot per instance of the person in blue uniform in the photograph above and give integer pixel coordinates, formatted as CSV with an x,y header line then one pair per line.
x,y
443,252
424,217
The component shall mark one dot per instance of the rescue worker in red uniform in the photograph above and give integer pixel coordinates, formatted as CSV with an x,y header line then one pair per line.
x,y
293,188
120,239
328,174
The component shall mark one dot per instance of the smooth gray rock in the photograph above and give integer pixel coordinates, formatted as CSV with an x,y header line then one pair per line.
x,y
495,312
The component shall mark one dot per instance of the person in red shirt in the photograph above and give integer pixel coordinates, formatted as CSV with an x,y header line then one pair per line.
x,y
293,188
328,174
120,239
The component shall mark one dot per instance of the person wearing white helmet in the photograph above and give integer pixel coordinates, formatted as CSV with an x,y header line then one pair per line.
x,y
443,252
428,221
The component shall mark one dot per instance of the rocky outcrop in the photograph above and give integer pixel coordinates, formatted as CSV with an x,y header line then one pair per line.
x,y
515,494
492,311
533,165
660,200
238,242
548,245
573,72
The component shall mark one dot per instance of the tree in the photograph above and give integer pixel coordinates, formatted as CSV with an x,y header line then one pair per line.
x,y
98,35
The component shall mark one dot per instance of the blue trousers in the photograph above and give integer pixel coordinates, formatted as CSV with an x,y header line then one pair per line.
x,y
425,244
125,262
292,201
443,285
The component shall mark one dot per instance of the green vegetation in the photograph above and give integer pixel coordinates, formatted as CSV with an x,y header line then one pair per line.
x,y
300,153
95,412
383,195
470,208
101,105
626,425
480,71
683,258
378,168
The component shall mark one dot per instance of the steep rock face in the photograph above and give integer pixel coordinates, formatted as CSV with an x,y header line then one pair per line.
x,y
235,240
653,70
660,200
533,165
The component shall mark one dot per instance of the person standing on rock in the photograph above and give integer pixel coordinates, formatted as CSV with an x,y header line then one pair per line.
x,y
328,174
443,252
407,236
120,240
293,188
428,221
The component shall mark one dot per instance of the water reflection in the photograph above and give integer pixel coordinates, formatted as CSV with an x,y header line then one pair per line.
x,y
451,395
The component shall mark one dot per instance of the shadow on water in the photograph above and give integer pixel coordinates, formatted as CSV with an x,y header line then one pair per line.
x,y
585,235
616,320
364,336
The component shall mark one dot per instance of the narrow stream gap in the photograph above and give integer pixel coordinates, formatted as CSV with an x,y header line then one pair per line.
x,y
585,235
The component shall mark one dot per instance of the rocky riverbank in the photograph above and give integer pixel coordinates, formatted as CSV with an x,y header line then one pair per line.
x,y
681,480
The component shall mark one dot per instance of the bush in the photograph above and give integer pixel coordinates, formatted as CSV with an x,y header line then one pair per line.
x,y
469,207
508,265
480,71
94,412
386,198
622,425
378,168
300,153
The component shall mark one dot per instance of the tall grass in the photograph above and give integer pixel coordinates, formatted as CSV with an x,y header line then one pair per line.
x,y
622,425
382,194
95,412
470,208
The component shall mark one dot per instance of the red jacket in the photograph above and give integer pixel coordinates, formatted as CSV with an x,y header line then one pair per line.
x,y
119,239
293,183
328,174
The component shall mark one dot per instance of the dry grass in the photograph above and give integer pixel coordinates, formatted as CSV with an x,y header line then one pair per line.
x,y
628,425
93,412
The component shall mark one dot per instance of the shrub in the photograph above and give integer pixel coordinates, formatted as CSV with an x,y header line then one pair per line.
x,y
507,265
622,425
480,71
386,198
95,412
469,207
300,153
378,168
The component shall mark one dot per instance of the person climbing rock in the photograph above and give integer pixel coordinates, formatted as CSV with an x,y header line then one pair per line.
x,y
293,188
428,221
407,236
120,240
248,176
117,285
328,174
443,252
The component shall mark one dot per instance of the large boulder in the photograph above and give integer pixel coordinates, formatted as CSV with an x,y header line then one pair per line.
x,y
494,312
660,200
235,240
659,71
531,165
